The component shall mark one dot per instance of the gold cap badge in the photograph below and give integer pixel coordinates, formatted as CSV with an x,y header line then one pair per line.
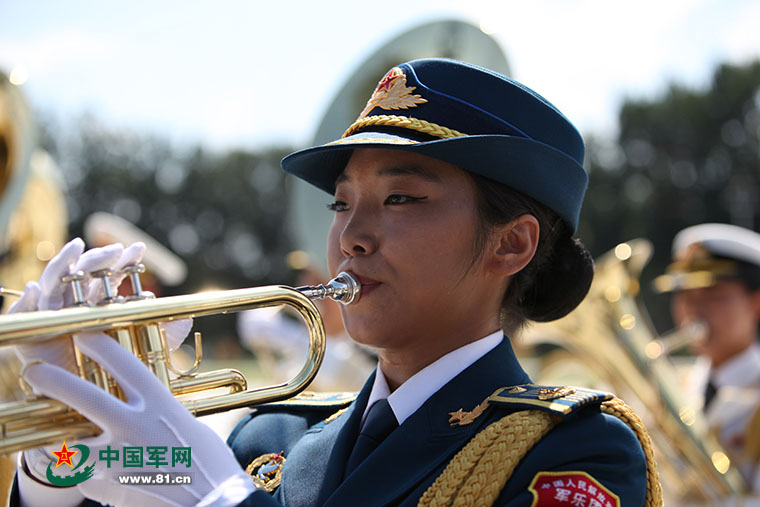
x,y
392,93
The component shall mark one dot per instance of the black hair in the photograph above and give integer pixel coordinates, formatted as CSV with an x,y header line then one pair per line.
x,y
558,277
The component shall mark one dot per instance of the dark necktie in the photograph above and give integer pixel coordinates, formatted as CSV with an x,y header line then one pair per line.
x,y
380,422
710,391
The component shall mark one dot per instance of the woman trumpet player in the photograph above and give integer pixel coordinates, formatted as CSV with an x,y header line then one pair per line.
x,y
456,194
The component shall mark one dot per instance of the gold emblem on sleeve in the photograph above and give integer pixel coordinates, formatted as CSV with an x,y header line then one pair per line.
x,y
266,471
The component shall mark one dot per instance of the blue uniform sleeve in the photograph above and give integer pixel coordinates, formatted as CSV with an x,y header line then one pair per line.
x,y
260,499
605,453
261,433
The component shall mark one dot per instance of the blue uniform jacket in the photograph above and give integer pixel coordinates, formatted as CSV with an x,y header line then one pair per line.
x,y
404,465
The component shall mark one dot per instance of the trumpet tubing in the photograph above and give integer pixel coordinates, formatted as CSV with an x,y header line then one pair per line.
x,y
135,325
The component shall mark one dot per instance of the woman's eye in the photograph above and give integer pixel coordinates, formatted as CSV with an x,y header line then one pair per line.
x,y
402,199
337,206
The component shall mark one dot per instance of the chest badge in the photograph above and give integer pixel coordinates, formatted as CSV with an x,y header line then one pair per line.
x,y
463,418
266,471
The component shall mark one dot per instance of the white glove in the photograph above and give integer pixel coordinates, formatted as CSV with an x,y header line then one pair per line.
x,y
50,293
151,417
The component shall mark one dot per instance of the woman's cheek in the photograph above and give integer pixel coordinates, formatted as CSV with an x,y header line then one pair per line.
x,y
333,248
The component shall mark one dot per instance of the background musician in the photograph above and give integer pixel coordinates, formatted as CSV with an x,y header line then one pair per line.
x,y
715,280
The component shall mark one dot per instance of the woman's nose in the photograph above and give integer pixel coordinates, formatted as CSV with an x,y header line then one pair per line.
x,y
359,234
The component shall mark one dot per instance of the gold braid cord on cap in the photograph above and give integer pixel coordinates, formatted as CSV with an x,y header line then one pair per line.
x,y
478,473
406,122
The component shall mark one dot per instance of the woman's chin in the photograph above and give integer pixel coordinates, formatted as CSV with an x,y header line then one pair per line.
x,y
369,336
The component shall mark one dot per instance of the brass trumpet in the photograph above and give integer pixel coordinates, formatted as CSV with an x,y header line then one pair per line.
x,y
134,323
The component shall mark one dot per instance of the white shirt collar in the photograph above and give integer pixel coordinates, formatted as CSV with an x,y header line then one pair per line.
x,y
410,395
742,370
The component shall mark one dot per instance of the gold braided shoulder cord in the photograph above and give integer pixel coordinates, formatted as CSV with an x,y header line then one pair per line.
x,y
406,122
478,472
619,409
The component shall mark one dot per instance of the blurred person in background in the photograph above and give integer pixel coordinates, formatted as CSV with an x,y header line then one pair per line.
x,y
163,268
715,284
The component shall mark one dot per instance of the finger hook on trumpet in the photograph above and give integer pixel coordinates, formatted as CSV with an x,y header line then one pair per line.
x,y
198,356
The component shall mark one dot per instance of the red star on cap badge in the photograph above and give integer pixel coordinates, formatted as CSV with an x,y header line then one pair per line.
x,y
385,84
64,456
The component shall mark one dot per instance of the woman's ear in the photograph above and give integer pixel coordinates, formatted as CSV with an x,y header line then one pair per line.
x,y
514,245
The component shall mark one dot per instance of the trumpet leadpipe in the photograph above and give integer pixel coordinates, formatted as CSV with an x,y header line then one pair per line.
x,y
39,326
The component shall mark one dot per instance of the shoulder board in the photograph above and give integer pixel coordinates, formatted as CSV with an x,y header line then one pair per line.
x,y
562,401
309,400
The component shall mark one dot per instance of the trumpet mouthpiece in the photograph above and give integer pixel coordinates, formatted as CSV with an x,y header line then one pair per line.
x,y
344,289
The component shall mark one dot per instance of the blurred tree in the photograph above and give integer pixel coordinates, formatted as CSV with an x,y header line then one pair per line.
x,y
223,214
688,157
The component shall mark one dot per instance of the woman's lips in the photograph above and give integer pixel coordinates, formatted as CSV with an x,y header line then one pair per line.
x,y
368,284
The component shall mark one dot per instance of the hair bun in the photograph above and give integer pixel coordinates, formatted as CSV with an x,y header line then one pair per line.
x,y
562,283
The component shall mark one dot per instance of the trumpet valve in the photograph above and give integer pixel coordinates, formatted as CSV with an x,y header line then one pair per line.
x,y
134,271
76,279
105,279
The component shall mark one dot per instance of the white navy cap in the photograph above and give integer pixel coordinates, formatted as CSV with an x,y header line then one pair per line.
x,y
102,228
706,253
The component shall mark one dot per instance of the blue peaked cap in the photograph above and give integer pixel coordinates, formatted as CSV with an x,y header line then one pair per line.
x,y
477,119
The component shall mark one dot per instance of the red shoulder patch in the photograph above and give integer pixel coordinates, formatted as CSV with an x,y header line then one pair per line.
x,y
576,489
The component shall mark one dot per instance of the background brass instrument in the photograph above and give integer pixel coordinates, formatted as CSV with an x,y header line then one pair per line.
x,y
134,322
613,338
33,223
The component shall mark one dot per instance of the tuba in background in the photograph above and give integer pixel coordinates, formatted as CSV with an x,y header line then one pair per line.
x,y
33,218
609,342
33,223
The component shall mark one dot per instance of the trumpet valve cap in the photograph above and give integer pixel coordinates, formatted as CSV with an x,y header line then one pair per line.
x,y
75,279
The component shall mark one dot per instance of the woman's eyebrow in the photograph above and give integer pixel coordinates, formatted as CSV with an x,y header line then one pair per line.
x,y
395,171
410,170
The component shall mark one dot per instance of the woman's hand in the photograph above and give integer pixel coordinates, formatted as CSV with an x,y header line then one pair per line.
x,y
149,417
52,293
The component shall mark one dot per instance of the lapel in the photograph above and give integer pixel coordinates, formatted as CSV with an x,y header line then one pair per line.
x,y
426,440
314,467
